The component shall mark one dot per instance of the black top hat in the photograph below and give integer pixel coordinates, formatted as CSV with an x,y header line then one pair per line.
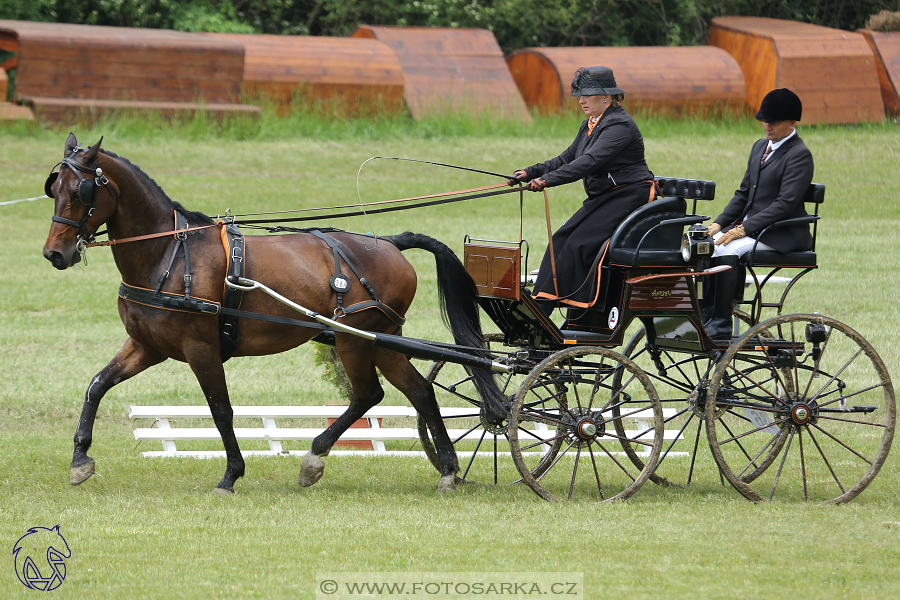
x,y
594,81
780,105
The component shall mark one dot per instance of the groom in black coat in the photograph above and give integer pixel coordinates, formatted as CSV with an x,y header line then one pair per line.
x,y
772,189
778,175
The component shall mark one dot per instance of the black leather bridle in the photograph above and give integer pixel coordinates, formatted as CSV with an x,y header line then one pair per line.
x,y
87,192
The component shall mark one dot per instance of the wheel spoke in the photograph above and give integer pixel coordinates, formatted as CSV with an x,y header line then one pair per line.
x,y
775,370
836,375
827,462
474,454
544,442
556,460
675,440
466,433
596,472
759,386
574,471
575,387
771,441
746,433
843,444
626,439
741,446
856,393
781,466
613,458
694,453
794,359
827,418
818,362
803,465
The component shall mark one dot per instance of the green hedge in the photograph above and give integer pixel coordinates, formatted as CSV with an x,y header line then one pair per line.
x,y
515,23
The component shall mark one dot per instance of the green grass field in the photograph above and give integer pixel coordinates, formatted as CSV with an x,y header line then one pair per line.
x,y
151,528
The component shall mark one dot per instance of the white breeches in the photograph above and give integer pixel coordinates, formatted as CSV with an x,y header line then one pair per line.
x,y
738,247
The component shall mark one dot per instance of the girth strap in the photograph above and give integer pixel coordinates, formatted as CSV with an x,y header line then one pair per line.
x,y
235,253
341,284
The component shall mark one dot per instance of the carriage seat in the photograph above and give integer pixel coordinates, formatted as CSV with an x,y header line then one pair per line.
x,y
651,235
803,259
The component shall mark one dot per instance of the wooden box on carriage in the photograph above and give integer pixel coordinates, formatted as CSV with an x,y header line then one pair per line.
x,y
494,268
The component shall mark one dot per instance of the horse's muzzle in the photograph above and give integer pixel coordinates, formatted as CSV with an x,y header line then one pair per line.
x,y
61,262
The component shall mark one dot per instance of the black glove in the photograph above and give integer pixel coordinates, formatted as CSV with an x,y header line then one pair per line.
x,y
517,177
537,185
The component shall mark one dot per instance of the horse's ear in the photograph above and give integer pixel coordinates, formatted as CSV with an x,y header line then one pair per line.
x,y
90,156
71,144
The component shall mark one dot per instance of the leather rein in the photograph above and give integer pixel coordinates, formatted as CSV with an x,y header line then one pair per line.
x,y
255,222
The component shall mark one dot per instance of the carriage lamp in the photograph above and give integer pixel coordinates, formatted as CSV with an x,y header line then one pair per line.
x,y
696,242
816,334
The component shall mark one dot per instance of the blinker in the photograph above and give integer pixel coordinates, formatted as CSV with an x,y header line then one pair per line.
x,y
48,185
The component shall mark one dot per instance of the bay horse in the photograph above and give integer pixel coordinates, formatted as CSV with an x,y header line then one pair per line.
x,y
118,194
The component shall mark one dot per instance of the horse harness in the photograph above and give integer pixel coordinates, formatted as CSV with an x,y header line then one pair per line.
x,y
229,310
87,192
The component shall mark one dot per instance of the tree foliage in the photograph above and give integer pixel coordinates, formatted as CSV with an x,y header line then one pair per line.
x,y
515,23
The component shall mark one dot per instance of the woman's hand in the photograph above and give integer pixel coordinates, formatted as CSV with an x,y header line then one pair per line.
x,y
735,233
537,185
714,229
517,177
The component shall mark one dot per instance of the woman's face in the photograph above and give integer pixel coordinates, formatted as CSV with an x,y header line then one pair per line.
x,y
593,106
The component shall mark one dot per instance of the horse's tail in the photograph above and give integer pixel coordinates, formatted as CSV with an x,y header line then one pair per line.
x,y
459,310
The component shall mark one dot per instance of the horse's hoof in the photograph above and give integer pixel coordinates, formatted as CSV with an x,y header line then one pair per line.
x,y
447,484
311,470
223,491
82,472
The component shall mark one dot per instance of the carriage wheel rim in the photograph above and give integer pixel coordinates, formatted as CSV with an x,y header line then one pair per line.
x,y
800,417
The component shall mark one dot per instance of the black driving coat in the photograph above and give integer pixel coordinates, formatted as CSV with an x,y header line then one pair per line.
x,y
773,192
610,161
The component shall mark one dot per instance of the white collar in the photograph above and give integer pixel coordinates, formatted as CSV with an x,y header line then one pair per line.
x,y
773,146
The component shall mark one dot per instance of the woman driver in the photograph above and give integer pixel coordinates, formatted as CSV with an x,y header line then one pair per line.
x,y
608,155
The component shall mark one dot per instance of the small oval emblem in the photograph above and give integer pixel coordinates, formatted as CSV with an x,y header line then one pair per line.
x,y
340,283
613,317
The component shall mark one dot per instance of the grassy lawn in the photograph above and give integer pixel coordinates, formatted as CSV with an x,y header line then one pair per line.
x,y
151,528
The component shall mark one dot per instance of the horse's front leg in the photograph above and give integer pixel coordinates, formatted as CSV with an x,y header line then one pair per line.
x,y
207,367
130,360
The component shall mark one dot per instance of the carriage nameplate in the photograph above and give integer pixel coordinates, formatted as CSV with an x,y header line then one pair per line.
x,y
661,294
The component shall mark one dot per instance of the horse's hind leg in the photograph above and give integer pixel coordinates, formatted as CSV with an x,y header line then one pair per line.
x,y
403,376
130,360
357,358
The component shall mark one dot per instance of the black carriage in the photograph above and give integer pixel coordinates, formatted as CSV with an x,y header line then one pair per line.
x,y
797,405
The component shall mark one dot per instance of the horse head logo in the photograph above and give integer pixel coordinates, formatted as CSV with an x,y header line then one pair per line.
x,y
39,557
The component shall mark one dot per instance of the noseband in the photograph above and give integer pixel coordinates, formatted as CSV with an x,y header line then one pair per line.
x,y
87,193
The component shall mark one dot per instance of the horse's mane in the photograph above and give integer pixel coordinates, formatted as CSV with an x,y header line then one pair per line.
x,y
193,217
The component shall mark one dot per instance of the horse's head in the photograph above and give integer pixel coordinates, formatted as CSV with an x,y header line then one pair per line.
x,y
85,199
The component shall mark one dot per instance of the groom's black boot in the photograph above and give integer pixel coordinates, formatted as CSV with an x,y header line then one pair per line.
x,y
721,325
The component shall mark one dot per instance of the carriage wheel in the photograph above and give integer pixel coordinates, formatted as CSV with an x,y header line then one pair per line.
x,y
481,448
681,380
568,399
829,410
